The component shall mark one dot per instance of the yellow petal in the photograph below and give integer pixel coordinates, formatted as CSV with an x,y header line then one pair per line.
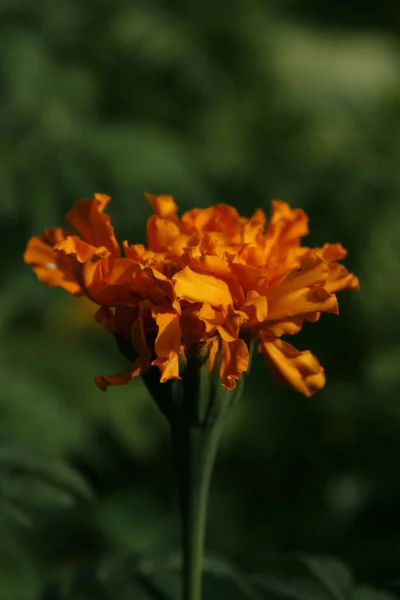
x,y
290,367
199,287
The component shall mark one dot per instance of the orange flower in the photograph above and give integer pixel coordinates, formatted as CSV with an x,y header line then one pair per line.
x,y
209,281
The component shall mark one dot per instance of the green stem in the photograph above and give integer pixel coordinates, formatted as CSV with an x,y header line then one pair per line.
x,y
195,451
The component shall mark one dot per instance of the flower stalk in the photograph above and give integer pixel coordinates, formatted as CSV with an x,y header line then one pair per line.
x,y
195,450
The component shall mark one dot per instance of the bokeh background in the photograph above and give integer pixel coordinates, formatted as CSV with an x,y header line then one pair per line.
x,y
233,101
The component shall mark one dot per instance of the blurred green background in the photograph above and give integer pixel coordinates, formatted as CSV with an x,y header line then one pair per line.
x,y
237,101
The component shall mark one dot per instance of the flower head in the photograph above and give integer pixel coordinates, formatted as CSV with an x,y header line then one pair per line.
x,y
208,282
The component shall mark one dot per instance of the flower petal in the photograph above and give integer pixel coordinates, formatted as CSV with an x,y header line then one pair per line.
x,y
235,361
286,223
104,381
290,326
199,287
226,322
41,256
163,205
218,267
105,317
302,292
89,220
162,234
290,367
256,308
167,343
340,279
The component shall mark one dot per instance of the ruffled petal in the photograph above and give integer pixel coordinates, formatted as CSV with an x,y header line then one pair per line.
x,y
162,234
254,228
43,259
199,287
290,326
226,322
220,218
104,381
290,367
256,308
218,267
167,343
340,279
302,292
163,205
286,223
106,317
235,361
89,220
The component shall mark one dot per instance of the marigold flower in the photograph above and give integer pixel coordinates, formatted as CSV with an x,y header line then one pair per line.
x,y
210,280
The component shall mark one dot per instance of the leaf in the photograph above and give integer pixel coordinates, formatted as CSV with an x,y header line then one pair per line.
x,y
286,588
222,568
153,590
57,475
307,578
334,576
368,593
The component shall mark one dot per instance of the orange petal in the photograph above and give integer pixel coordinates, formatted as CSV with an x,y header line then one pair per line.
x,y
290,224
105,317
256,308
290,367
163,205
159,288
218,267
198,287
213,345
161,233
331,252
104,381
80,249
251,278
254,227
167,343
235,361
41,256
221,218
227,323
340,279
89,220
302,292
105,281
290,326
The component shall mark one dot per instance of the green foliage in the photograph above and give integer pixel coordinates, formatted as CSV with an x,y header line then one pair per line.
x,y
237,102
302,578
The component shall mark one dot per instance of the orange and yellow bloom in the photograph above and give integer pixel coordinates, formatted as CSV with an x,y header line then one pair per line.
x,y
209,280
